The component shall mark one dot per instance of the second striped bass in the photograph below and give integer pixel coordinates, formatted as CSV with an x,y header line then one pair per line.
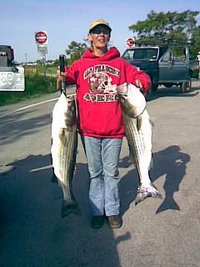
x,y
138,131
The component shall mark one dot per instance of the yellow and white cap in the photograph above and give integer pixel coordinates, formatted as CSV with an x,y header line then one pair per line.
x,y
99,22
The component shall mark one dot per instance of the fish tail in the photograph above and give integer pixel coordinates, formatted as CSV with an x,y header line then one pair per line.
x,y
147,191
68,207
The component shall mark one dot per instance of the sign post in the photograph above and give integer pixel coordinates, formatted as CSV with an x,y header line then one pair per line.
x,y
42,41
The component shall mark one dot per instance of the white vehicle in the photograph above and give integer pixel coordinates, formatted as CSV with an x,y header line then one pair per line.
x,y
11,76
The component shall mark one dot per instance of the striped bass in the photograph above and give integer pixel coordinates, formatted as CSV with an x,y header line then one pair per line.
x,y
138,131
64,149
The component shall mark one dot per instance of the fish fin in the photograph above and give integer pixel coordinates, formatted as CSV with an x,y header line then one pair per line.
x,y
147,191
139,122
54,179
68,207
62,135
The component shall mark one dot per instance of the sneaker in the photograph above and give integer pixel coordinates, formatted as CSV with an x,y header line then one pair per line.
x,y
97,222
114,221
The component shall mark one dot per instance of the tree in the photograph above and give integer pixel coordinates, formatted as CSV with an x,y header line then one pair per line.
x,y
195,42
169,27
75,51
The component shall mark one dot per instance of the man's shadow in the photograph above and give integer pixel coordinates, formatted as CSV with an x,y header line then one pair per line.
x,y
30,208
170,162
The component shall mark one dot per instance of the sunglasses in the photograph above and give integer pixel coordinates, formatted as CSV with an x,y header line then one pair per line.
x,y
99,30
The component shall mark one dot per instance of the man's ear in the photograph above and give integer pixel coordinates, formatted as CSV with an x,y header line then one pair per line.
x,y
89,37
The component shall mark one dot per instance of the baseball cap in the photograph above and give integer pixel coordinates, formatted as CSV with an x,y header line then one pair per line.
x,y
99,22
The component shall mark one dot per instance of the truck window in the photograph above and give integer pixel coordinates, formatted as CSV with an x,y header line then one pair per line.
x,y
3,59
128,55
167,56
140,54
179,53
146,53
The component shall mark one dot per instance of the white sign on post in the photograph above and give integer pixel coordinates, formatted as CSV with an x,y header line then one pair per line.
x,y
41,41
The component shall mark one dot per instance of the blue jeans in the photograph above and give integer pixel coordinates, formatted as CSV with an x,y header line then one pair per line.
x,y
103,158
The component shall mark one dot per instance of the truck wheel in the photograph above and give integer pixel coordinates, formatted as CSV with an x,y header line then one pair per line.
x,y
152,90
186,86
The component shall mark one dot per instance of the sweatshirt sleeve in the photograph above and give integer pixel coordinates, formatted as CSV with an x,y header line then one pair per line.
x,y
133,74
71,75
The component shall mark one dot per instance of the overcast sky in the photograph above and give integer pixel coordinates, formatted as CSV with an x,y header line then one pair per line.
x,y
68,20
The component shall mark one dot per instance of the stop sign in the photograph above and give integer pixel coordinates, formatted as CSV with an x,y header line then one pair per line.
x,y
130,42
41,37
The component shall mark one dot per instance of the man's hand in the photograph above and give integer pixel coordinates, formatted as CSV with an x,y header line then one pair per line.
x,y
139,84
61,76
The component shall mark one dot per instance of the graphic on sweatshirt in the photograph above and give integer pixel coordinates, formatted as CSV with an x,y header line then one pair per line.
x,y
100,84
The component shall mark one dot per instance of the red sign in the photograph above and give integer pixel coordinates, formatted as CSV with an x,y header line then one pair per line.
x,y
41,37
130,42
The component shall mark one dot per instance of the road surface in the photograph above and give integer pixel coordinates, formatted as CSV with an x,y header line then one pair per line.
x,y
156,233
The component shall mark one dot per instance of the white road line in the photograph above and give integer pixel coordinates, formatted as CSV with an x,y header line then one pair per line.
x,y
41,168
26,107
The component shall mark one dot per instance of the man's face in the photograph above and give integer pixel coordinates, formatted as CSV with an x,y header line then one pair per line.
x,y
99,36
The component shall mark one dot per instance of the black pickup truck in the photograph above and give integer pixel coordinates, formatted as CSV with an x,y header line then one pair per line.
x,y
167,65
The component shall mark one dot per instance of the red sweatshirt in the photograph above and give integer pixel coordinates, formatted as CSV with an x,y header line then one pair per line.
x,y
97,78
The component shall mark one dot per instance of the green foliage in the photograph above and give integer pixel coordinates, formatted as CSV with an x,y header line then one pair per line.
x,y
195,42
75,51
162,27
35,85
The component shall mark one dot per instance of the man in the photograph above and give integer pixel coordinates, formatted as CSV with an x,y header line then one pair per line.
x,y
97,75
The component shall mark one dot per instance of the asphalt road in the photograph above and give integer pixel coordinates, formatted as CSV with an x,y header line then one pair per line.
x,y
156,233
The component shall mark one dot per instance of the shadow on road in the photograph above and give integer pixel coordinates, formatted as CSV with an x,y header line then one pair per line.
x,y
19,127
32,232
170,162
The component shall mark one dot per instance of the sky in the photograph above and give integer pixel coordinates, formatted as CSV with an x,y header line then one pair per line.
x,y
68,20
